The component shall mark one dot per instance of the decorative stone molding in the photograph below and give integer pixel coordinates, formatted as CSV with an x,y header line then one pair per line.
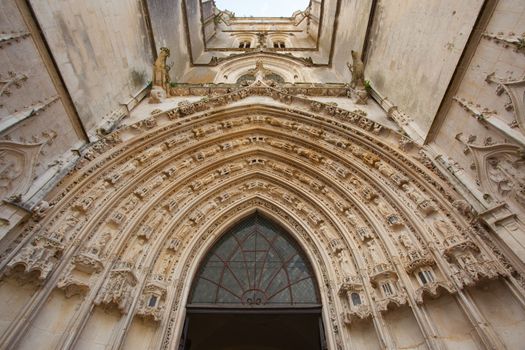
x,y
381,272
164,193
17,165
501,170
511,40
475,110
433,290
28,112
151,305
117,290
12,79
392,302
357,313
416,259
9,38
515,90
38,257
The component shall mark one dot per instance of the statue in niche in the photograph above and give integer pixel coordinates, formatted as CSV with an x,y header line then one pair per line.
x,y
385,169
125,170
344,262
412,194
406,241
164,266
357,68
100,244
135,252
157,219
383,208
443,227
161,78
375,256
130,204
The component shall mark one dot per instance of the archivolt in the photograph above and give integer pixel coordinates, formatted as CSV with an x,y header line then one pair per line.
x,y
318,175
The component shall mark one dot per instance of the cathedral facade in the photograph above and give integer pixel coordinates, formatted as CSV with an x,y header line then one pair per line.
x,y
176,177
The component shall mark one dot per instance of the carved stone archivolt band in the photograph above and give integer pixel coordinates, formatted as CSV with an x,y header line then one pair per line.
x,y
144,204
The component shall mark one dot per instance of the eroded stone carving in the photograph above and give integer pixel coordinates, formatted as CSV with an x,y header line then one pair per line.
x,y
118,288
501,171
161,77
151,304
358,78
17,163
39,257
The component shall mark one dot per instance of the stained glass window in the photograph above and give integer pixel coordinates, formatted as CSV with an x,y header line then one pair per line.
x,y
255,264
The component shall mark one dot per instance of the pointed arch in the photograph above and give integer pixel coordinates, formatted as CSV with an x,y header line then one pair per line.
x,y
256,263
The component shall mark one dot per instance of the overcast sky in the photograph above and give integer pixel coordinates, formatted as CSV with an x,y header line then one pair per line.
x,y
262,8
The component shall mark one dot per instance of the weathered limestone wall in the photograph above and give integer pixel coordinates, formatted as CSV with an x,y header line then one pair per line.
x,y
315,17
351,31
193,13
102,50
505,314
481,134
168,30
39,127
413,50
326,33
452,324
51,322
405,331
27,86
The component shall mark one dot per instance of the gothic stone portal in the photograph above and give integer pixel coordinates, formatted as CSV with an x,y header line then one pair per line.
x,y
254,290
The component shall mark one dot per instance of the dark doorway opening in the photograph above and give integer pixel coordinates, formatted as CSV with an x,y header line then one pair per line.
x,y
243,330
255,290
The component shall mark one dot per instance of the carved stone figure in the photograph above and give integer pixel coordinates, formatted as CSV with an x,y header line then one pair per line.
x,y
260,72
98,247
358,71
507,173
375,256
344,262
464,208
117,290
40,209
443,227
147,230
406,241
161,77
358,78
383,208
125,170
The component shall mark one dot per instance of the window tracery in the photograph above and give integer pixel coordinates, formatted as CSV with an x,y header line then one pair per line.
x,y
255,264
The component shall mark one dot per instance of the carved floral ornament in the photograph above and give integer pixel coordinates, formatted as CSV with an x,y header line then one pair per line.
x,y
17,164
515,89
501,171
155,198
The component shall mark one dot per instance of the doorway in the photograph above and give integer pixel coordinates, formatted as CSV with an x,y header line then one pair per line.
x,y
245,330
254,290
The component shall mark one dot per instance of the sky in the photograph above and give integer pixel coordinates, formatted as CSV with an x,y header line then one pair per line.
x,y
262,8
